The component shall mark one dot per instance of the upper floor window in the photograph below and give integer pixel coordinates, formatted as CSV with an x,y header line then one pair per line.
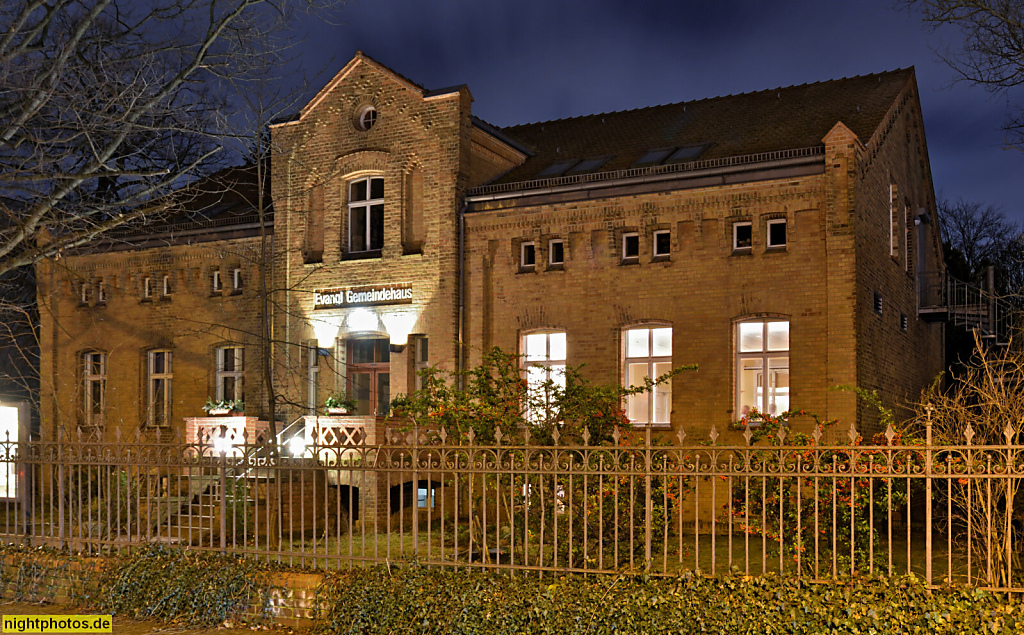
x,y
742,236
543,362
527,255
662,243
168,288
236,279
147,287
556,252
231,373
777,233
216,284
762,367
158,380
367,117
101,291
366,215
94,375
630,246
84,293
648,354
894,221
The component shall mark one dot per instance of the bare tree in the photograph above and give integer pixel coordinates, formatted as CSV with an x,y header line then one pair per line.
x,y
107,107
991,53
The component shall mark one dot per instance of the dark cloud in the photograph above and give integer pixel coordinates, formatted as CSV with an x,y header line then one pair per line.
x,y
533,60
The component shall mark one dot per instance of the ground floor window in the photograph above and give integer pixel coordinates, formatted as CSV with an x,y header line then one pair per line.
x,y
369,375
648,354
159,387
94,389
762,366
543,356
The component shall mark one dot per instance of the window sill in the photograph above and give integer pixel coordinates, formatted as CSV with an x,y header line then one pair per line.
x,y
146,300
632,260
556,267
775,249
662,258
362,255
165,298
236,292
529,269
743,251
653,426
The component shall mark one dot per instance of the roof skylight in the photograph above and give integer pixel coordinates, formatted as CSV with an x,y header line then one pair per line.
x,y
652,157
687,153
589,165
558,168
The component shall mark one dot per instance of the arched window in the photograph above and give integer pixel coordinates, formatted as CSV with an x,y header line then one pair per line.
x,y
762,366
366,215
648,354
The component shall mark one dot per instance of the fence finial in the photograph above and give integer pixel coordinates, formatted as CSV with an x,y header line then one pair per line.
x,y
817,434
586,436
1009,433
714,435
890,434
555,436
929,409
471,436
969,433
781,434
443,434
616,435
852,434
748,434
681,435
498,436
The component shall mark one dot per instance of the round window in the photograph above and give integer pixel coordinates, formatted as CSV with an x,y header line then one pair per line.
x,y
367,117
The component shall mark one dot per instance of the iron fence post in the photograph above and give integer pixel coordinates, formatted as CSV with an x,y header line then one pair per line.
x,y
60,486
223,497
648,506
928,496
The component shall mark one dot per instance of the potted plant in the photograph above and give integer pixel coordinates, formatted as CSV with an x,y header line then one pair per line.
x,y
340,404
221,407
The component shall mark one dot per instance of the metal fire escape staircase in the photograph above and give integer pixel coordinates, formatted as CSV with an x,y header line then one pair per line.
x,y
943,298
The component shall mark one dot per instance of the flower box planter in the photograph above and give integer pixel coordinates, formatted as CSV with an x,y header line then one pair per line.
x,y
224,412
338,411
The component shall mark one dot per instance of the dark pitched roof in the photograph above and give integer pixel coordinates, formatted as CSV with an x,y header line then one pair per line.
x,y
765,121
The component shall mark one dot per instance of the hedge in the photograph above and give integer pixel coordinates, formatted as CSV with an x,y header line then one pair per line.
x,y
427,601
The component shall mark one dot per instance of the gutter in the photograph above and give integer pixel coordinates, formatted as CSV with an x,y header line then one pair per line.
x,y
462,295
649,178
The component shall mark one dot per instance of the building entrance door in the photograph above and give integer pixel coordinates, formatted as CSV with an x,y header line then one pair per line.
x,y
369,375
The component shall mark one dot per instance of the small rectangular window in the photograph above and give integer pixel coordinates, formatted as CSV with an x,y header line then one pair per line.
x,y
630,246
777,233
217,285
101,291
422,360
167,288
903,322
85,293
662,243
877,302
527,255
742,236
236,279
556,252
147,287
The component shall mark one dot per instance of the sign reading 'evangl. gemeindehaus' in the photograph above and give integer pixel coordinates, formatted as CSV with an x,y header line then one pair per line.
x,y
363,296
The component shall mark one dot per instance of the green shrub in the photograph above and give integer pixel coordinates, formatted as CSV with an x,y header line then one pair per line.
x,y
431,601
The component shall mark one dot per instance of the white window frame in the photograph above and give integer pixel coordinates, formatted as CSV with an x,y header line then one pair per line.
x,y
657,414
654,245
551,252
89,378
152,379
421,359
736,234
236,279
312,378
768,233
366,207
237,356
166,283
367,118
625,237
84,291
101,291
538,369
147,287
523,247
218,286
765,355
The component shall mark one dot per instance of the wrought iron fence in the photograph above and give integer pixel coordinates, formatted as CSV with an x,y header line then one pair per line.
x,y
789,503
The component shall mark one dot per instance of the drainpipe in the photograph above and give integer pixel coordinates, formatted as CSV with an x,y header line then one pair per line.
x,y
462,294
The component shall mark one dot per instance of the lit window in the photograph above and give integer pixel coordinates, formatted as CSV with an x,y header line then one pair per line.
x,y
543,362
366,215
662,243
215,280
527,255
762,367
236,279
742,236
630,246
777,233
312,378
556,252
425,497
159,388
231,373
649,355
94,374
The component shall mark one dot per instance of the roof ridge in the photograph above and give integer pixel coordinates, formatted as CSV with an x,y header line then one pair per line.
x,y
706,99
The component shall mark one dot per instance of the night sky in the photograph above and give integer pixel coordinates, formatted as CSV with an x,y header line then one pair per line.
x,y
535,60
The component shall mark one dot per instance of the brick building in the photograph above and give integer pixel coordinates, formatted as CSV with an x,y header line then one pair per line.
x,y
773,238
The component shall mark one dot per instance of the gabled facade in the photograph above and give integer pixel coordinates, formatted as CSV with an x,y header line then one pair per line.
x,y
772,238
